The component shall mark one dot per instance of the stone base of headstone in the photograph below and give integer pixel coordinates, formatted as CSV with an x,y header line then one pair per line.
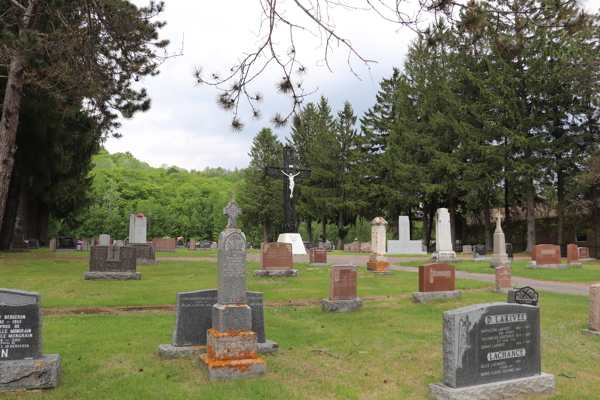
x,y
428,297
445,256
575,265
112,276
169,352
234,369
504,291
65,250
500,261
273,273
318,264
586,259
340,306
379,267
539,385
38,373
146,261
547,266
480,259
590,332
296,241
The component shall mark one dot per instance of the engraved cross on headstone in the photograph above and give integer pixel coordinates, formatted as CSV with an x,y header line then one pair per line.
x,y
498,219
114,253
232,211
289,172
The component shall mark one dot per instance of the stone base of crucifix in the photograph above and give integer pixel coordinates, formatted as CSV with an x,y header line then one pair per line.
x,y
295,240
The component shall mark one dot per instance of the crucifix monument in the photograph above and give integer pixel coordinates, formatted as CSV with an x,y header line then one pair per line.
x,y
289,172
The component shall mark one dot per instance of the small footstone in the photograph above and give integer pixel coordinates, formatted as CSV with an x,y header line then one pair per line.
x,y
268,347
168,351
428,297
590,332
112,276
340,306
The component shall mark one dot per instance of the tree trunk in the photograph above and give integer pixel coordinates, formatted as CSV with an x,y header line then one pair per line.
x,y
530,214
21,222
452,209
32,218
507,219
324,223
12,203
596,214
560,212
43,217
265,231
8,126
425,223
341,229
309,228
487,226
463,231
432,212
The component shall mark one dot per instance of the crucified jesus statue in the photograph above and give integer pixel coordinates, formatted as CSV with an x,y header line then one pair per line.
x,y
291,182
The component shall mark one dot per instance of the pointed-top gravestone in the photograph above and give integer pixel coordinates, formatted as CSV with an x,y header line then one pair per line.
x,y
232,211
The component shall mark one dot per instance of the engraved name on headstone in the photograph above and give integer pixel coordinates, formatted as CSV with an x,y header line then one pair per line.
x,y
20,325
232,275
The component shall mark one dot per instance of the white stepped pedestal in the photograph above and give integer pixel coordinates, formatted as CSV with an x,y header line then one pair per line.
x,y
295,240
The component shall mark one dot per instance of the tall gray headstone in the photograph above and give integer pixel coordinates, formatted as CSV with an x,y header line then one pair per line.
x,y
104,240
137,229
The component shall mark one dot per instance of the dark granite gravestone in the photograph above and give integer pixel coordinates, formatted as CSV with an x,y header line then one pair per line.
x,y
509,250
180,243
193,316
479,252
112,263
66,243
22,364
144,253
203,245
20,325
309,245
256,246
33,244
525,295
491,342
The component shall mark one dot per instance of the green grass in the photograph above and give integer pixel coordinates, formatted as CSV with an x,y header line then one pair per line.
x,y
114,356
589,274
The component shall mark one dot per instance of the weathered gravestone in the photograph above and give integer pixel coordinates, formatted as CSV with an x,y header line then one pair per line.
x,y
467,249
204,245
18,243
52,244
499,255
436,281
342,290
144,253
213,245
443,239
480,252
346,247
66,243
318,256
593,311
573,256
404,245
276,259
192,244
84,244
365,247
33,244
525,295
22,364
165,245
355,247
503,279
193,319
179,243
584,254
137,228
546,256
105,240
492,351
378,261
231,342
112,263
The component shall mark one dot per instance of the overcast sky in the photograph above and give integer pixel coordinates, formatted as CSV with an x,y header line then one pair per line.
x,y
184,126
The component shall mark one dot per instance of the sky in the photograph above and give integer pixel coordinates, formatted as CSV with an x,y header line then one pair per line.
x,y
186,128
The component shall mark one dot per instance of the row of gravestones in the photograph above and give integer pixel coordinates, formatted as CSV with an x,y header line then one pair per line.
x,y
547,256
356,247
480,252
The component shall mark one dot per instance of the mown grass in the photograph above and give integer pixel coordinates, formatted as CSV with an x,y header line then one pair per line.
x,y
588,274
114,356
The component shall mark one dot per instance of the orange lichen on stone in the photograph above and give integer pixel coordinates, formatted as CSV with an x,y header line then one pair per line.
x,y
377,266
241,366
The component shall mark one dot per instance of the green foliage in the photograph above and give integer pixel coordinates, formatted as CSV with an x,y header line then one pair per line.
x,y
176,203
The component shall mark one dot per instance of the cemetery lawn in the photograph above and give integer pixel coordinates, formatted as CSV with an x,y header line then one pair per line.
x,y
588,274
390,350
